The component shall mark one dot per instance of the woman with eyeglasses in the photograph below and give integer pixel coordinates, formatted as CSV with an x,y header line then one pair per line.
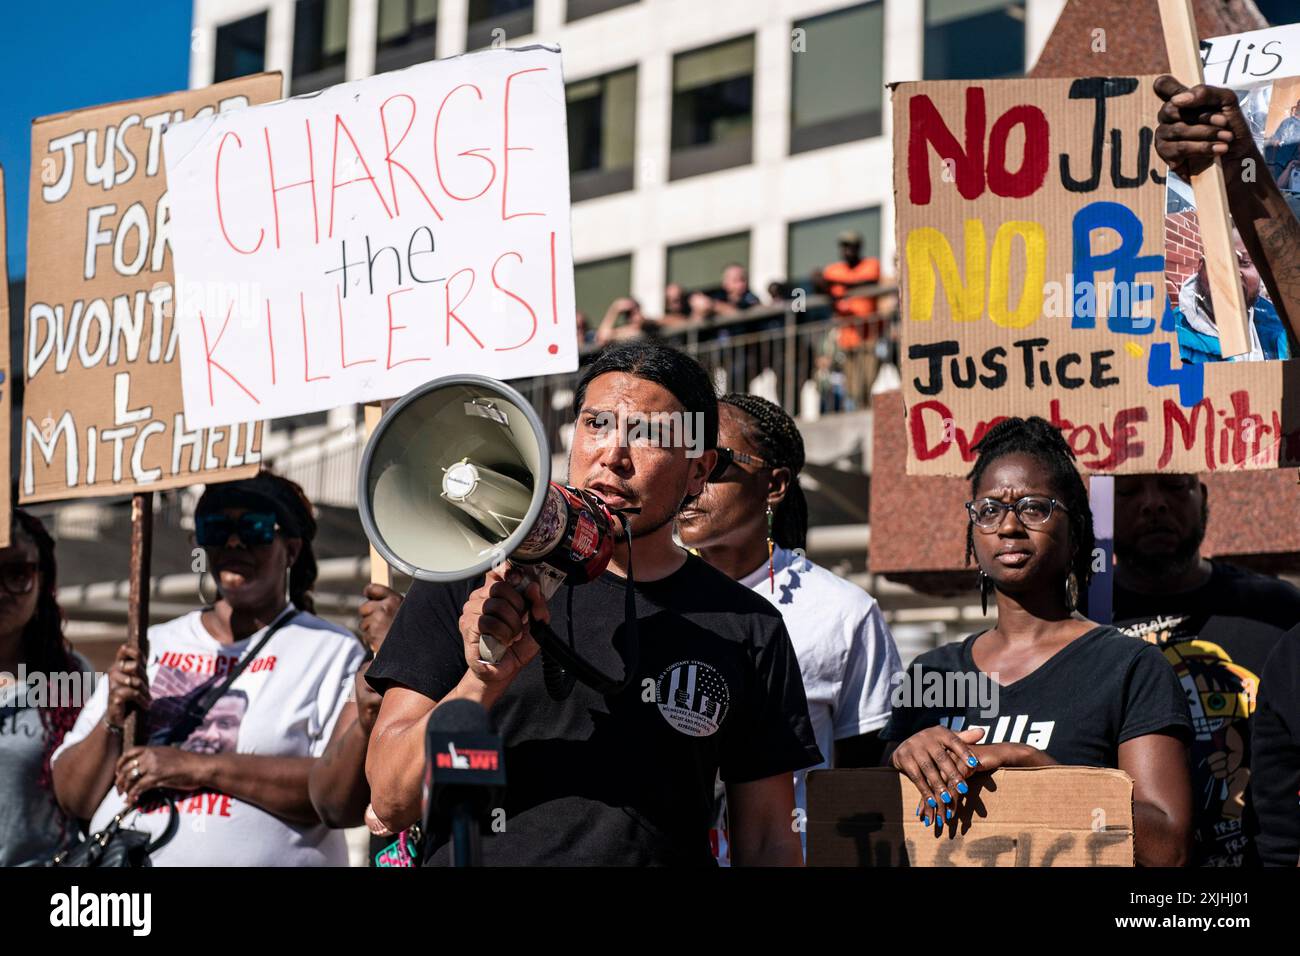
x,y
751,523
42,682
1049,686
236,757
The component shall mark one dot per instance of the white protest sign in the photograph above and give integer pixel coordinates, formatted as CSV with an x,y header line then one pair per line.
x,y
1245,58
349,245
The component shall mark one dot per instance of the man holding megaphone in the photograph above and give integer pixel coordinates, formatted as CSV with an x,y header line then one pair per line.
x,y
598,772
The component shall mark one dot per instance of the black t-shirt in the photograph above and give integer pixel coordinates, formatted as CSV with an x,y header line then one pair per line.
x,y
623,780
1217,637
1079,705
1274,808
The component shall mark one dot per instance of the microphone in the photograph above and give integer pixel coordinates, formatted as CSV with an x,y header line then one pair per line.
x,y
464,777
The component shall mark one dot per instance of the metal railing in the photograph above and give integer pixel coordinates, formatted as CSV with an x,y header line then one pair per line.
x,y
789,354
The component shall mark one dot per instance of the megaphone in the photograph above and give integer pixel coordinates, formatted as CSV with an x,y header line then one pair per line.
x,y
455,479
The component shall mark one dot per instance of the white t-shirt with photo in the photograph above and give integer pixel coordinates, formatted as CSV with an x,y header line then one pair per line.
x,y
284,704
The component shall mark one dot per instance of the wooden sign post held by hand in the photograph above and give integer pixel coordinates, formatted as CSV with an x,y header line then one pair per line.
x,y
1210,189
380,572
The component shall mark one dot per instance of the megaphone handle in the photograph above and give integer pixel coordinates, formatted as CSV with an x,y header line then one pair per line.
x,y
490,650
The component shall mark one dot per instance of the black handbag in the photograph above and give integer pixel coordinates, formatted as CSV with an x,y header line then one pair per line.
x,y
114,846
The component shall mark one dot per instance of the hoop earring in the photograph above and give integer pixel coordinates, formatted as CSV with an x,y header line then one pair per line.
x,y
203,599
1071,592
986,587
288,592
771,571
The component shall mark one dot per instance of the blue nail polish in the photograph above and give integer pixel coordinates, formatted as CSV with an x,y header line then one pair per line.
x,y
930,801
925,820
962,788
946,797
918,811
972,761
938,824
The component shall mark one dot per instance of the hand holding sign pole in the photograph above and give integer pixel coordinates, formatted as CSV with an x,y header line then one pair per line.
x,y
1211,192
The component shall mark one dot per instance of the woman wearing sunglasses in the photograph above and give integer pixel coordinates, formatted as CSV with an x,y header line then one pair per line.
x,y
238,768
1051,687
751,523
33,721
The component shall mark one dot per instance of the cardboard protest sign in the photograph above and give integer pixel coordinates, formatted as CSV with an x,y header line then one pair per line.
x,y
1040,816
350,245
1030,218
102,411
6,504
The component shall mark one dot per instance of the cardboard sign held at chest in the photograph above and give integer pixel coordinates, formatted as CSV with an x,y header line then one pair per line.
x,y
1041,816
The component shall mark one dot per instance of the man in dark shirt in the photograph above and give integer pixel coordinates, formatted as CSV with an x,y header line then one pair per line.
x,y
625,778
1273,812
1216,624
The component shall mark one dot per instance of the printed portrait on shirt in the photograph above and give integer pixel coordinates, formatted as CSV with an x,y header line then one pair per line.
x,y
176,696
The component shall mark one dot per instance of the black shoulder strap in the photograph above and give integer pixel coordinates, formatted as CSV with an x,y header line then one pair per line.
x,y
181,730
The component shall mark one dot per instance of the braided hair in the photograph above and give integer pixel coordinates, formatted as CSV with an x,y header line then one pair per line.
x,y
44,648
769,429
1043,441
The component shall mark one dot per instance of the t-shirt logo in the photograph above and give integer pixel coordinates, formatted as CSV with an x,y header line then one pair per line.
x,y
693,698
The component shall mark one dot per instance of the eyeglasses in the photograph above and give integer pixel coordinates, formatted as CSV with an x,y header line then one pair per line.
x,y
728,457
18,577
1034,511
253,528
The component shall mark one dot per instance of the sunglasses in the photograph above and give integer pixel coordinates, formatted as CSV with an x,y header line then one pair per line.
x,y
18,577
729,456
253,528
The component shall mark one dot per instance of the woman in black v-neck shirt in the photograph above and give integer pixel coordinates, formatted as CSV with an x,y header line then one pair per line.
x,y
1044,686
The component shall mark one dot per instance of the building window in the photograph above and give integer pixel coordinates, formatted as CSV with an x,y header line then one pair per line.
x,y
320,44
713,108
837,77
597,284
514,18
405,33
813,243
241,48
577,9
602,134
697,266
974,39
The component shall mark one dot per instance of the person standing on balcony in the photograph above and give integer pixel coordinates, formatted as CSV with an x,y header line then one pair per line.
x,y
856,332
751,523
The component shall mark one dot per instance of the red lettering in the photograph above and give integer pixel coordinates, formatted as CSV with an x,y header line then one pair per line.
x,y
306,350
270,339
1174,417
1033,166
926,128
221,219
451,310
393,328
390,150
1122,440
437,165
203,326
531,314
213,798
508,149
309,182
335,185
343,352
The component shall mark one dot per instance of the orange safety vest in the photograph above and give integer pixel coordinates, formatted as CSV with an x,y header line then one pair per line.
x,y
840,277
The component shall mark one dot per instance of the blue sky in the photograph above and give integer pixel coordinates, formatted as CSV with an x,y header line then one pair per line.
x,y
65,54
